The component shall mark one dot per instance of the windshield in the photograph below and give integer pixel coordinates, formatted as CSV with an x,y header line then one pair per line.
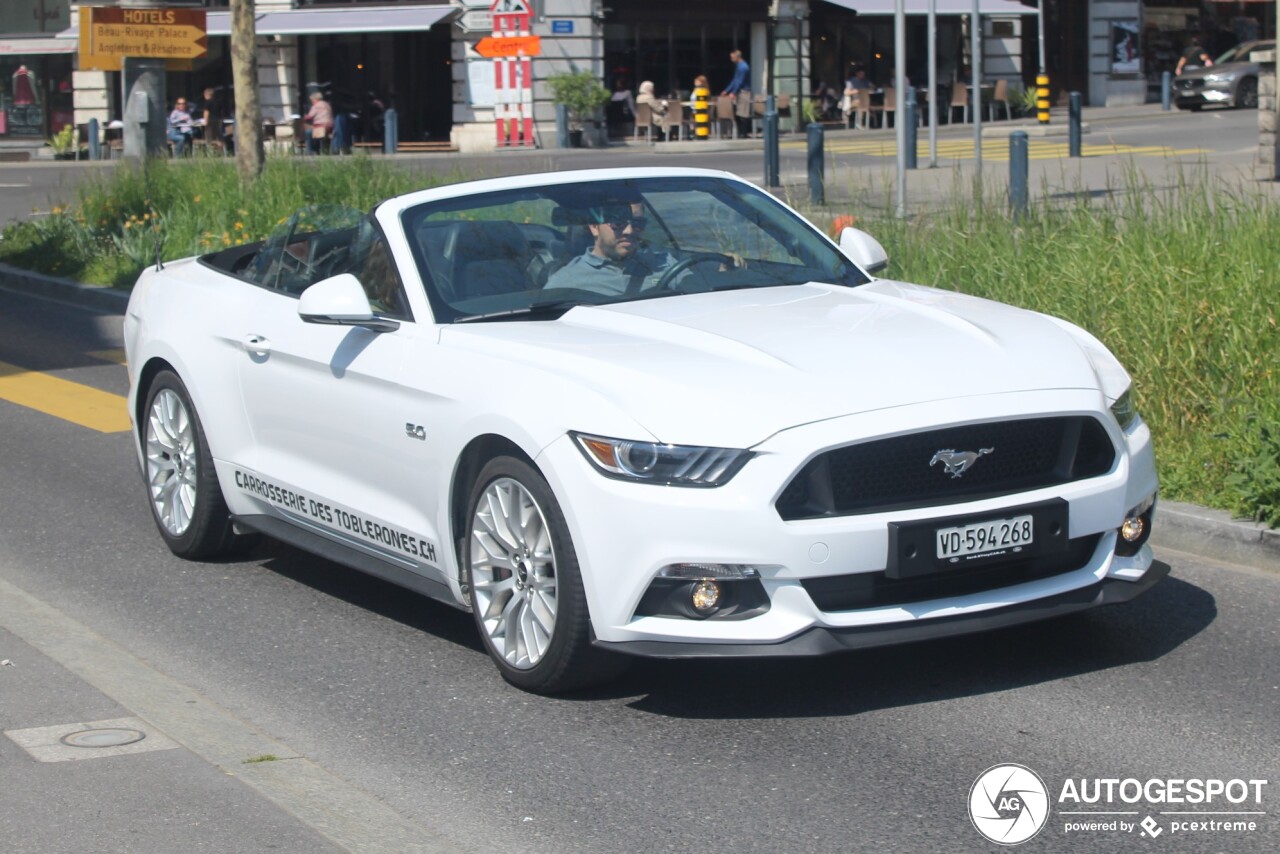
x,y
534,253
1243,52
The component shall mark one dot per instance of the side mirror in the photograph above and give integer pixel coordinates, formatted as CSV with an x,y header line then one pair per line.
x,y
864,250
341,301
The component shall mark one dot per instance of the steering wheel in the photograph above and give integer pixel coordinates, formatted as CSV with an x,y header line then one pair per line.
x,y
669,275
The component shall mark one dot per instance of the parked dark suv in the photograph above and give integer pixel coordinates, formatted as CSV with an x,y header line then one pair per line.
x,y
1232,80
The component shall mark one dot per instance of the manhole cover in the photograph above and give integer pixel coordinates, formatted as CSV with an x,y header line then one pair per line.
x,y
111,737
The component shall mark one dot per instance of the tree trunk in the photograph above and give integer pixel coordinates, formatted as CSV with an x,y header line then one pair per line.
x,y
244,75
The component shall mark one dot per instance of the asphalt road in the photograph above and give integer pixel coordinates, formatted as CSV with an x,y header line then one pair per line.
x,y
393,696
860,164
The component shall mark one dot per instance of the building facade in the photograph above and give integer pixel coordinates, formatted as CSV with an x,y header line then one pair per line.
x,y
420,56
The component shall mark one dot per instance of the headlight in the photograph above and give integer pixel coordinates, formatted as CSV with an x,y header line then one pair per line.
x,y
1124,410
650,462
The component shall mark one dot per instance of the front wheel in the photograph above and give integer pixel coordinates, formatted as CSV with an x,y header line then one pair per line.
x,y
185,498
1247,94
526,587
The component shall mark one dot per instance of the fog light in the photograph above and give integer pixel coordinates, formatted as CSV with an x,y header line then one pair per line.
x,y
705,597
1135,530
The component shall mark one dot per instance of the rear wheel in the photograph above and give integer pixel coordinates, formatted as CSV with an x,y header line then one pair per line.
x,y
185,498
526,587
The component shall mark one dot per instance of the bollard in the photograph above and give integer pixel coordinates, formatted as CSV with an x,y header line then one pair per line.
x,y
95,149
1042,98
771,163
1166,91
390,131
1018,172
816,168
1074,101
910,126
701,113
562,126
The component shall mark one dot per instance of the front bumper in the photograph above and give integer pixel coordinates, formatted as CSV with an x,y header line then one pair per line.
x,y
825,640
625,533
1207,95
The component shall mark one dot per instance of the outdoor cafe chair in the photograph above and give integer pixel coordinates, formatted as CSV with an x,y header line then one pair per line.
x,y
644,121
673,121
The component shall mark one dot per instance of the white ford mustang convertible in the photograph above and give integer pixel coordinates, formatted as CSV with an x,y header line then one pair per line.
x,y
639,412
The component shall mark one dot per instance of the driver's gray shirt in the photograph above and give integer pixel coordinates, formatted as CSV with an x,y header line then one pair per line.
x,y
590,272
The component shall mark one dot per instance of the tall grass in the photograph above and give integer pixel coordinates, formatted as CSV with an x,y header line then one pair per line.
x,y
1181,282
111,232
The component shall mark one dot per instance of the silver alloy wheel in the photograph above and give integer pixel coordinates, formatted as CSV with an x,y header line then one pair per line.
x,y
513,573
172,470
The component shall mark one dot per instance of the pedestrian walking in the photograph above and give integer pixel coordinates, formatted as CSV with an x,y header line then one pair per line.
x,y
740,88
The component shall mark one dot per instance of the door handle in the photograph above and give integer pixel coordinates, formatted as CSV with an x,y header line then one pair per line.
x,y
257,344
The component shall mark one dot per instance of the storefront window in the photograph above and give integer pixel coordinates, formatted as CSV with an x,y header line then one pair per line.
x,y
35,95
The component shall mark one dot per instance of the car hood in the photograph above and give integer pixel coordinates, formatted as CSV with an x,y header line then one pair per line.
x,y
735,367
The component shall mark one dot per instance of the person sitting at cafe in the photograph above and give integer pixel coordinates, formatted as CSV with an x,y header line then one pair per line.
x,y
657,106
857,92
181,127
319,121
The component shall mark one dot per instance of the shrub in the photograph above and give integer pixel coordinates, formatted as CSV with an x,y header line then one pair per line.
x,y
580,91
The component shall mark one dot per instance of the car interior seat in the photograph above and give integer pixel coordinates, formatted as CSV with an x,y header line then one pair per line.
x,y
490,258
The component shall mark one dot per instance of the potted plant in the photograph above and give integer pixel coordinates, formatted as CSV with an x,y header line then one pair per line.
x,y
64,143
582,95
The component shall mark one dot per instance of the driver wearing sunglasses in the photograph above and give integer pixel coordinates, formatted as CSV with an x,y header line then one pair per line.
x,y
619,261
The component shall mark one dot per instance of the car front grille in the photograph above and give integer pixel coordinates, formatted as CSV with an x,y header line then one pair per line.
x,y
913,471
1187,85
876,589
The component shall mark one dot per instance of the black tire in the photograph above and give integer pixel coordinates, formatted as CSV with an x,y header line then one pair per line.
x,y
1247,94
509,576
201,526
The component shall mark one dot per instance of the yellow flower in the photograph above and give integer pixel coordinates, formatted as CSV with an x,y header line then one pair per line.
x,y
128,224
56,210
239,226
196,200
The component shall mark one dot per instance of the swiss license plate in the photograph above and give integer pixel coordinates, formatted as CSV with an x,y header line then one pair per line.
x,y
983,539
928,546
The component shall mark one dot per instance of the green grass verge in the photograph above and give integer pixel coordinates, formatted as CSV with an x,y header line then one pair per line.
x,y
1179,282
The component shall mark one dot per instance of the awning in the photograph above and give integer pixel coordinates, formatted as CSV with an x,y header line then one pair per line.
x,y
37,45
346,19
1002,8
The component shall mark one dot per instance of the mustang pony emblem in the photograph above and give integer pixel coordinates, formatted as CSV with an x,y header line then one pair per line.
x,y
958,462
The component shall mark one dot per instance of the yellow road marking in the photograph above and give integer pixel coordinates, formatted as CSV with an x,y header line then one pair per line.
x,y
993,149
79,404
116,356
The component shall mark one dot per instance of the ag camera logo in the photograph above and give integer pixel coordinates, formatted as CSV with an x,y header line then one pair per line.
x,y
1009,804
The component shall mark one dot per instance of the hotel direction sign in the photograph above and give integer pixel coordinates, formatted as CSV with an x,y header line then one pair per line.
x,y
108,34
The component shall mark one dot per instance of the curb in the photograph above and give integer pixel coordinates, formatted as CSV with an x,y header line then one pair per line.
x,y
1200,531
97,297
1213,533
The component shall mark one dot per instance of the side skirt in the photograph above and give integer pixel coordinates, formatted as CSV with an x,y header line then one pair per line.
x,y
317,544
